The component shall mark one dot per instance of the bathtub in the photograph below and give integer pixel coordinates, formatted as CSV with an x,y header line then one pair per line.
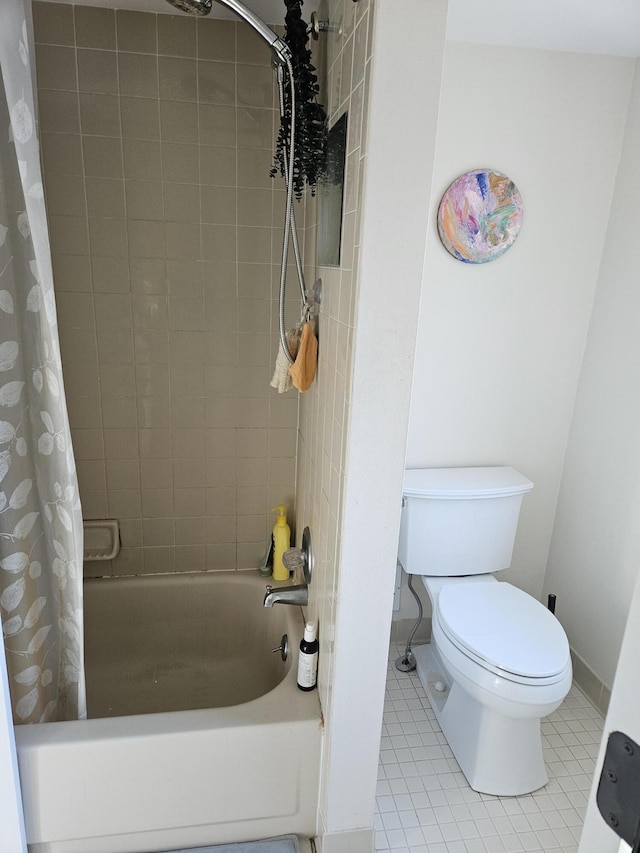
x,y
197,733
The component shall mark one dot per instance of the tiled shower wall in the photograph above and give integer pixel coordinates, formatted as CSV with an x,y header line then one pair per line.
x,y
157,134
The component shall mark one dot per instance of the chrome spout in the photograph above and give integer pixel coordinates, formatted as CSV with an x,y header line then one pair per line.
x,y
298,594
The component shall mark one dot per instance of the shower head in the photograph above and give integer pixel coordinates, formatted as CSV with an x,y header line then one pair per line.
x,y
195,7
202,7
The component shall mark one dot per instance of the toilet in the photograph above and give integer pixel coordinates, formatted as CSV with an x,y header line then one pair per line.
x,y
498,660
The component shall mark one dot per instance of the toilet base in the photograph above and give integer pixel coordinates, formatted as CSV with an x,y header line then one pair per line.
x,y
498,755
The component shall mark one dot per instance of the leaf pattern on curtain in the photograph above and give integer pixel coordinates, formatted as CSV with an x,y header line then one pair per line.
x,y
40,515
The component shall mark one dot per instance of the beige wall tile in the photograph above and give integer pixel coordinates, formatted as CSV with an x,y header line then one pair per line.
x,y
218,165
144,200
117,380
100,114
140,118
154,412
221,557
176,35
69,235
95,27
123,474
151,379
254,245
216,40
142,161
180,162
78,345
188,413
256,86
217,125
182,202
254,165
62,154
105,198
131,532
102,156
108,237
178,79
72,272
161,559
218,205
146,238
151,347
88,444
178,121
217,82
115,346
255,127
158,531
155,443
119,413
121,443
251,49
189,474
53,25
219,244
65,195
110,275
187,379
188,443
157,503
57,66
84,411
221,500
136,31
149,311
157,477
59,111
190,531
221,471
182,240
148,275
97,71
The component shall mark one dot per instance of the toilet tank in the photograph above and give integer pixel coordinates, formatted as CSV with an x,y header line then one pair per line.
x,y
459,521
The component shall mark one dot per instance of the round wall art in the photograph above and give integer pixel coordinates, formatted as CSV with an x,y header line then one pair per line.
x,y
480,216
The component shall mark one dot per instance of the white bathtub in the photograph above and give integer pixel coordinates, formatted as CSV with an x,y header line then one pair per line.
x,y
233,751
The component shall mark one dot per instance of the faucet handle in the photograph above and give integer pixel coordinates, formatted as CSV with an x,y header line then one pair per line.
x,y
293,559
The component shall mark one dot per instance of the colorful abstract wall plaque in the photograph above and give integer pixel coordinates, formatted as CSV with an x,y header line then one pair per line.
x,y
480,216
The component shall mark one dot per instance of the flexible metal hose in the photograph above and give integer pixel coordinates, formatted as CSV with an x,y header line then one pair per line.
x,y
289,216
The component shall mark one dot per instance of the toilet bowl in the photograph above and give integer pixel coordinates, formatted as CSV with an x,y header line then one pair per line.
x,y
497,663
498,660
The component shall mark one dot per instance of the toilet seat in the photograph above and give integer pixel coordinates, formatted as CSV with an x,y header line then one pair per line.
x,y
504,630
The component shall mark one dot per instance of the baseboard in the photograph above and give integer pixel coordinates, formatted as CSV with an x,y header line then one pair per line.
x,y
355,841
595,690
401,628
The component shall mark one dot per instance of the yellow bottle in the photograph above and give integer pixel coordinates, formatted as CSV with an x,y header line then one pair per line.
x,y
282,542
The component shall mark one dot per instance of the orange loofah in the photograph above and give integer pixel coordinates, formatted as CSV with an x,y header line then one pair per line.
x,y
303,370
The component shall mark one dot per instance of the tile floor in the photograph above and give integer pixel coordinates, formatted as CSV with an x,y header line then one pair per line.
x,y
424,804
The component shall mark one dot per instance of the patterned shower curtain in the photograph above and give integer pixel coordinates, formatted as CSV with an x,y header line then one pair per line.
x,y
40,516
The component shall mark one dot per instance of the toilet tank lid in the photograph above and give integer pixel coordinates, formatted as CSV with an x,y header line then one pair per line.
x,y
468,483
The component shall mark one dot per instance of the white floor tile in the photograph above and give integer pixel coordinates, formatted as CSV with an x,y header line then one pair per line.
x,y
424,804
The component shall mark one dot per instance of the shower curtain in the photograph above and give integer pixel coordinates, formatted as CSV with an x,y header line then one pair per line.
x,y
40,516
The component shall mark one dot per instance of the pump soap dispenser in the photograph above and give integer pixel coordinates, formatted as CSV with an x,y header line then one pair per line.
x,y
282,541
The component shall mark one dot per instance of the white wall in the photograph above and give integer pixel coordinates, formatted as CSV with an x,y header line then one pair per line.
x,y
500,344
595,550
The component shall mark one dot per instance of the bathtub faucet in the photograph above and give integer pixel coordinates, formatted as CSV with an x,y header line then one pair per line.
x,y
298,594
299,561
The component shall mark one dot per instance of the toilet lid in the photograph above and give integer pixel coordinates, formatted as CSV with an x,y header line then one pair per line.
x,y
505,628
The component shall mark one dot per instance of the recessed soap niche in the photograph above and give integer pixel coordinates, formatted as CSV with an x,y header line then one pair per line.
x,y
330,196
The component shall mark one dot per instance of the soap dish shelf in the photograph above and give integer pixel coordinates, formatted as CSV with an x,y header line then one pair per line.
x,y
101,539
